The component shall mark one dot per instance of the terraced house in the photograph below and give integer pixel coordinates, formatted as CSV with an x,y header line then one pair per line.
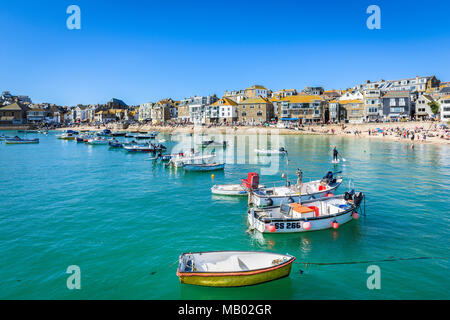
x,y
255,111
302,108
354,110
444,103
397,104
227,110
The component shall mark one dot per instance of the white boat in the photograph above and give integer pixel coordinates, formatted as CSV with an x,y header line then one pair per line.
x,y
97,141
231,189
274,196
312,215
203,166
281,151
181,159
232,268
66,136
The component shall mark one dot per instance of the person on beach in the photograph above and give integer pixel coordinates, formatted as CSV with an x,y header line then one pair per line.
x,y
335,154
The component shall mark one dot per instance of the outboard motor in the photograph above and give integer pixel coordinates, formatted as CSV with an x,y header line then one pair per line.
x,y
347,196
357,198
269,202
328,177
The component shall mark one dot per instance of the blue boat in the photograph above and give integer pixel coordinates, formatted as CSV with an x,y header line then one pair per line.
x,y
115,144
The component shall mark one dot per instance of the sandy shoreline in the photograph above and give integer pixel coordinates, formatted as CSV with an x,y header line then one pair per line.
x,y
430,128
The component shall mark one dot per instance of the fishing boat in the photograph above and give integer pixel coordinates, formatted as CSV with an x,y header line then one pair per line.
x,y
115,144
212,143
179,160
143,136
118,134
274,196
311,215
281,151
232,268
66,136
97,141
134,147
18,140
204,166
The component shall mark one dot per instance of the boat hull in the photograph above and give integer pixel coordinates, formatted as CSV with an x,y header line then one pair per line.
x,y
21,142
202,168
294,226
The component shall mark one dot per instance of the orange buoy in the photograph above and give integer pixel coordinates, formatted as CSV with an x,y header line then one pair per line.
x,y
306,225
335,224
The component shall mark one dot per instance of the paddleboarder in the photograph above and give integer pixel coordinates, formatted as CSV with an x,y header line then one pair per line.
x,y
335,154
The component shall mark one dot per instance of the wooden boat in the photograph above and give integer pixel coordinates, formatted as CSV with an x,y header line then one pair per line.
x,y
212,143
232,268
312,215
18,140
274,196
281,151
204,166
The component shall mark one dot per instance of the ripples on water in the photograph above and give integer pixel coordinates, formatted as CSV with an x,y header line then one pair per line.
x,y
121,218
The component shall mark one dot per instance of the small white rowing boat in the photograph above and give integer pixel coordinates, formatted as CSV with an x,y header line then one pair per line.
x,y
231,189
281,151
232,268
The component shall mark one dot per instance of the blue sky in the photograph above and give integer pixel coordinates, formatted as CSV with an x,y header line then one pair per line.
x,y
142,51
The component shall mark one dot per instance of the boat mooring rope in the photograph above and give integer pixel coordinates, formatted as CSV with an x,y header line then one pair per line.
x,y
393,259
170,266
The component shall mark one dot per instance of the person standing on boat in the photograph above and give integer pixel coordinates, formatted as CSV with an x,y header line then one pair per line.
x,y
299,182
335,154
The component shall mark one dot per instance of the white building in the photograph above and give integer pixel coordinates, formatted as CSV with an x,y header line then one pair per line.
x,y
445,108
423,110
227,110
145,111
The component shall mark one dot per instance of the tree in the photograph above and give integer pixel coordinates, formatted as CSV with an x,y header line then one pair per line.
x,y
434,105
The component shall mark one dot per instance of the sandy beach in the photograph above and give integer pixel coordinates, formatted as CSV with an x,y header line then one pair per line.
x,y
393,131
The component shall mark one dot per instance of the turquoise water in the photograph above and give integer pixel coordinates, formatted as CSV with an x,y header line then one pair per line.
x,y
124,221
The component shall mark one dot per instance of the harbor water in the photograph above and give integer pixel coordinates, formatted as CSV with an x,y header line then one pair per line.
x,y
124,221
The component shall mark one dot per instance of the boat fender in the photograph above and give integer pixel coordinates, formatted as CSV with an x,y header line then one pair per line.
x,y
306,225
269,202
347,196
355,215
290,200
270,227
335,224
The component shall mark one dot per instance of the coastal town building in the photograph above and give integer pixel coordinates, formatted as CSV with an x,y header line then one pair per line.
x,y
354,110
423,110
145,111
313,91
163,111
333,109
397,104
444,103
235,95
372,110
255,111
330,95
284,93
227,110
256,91
197,108
36,115
183,111
302,108
14,113
416,84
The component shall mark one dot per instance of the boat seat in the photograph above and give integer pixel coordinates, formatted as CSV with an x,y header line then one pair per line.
x,y
233,263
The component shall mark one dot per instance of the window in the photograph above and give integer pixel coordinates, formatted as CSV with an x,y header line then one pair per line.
x,y
244,114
